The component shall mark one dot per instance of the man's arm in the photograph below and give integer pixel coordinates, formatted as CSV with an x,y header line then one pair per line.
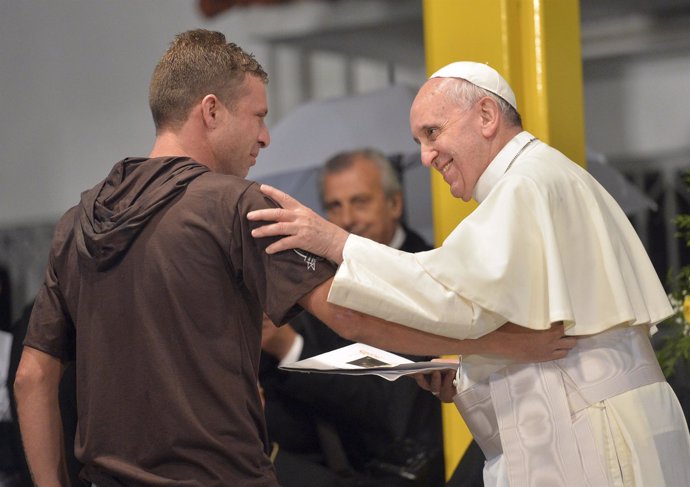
x,y
302,228
509,341
36,389
277,341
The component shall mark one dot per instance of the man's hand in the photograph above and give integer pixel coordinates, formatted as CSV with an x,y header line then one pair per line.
x,y
302,227
525,345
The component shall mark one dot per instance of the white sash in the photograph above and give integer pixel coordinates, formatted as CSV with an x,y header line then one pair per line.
x,y
533,413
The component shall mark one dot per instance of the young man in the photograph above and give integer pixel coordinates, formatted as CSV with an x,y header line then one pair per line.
x,y
547,244
156,288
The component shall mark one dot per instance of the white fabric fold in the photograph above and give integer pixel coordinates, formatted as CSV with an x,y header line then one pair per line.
x,y
525,255
390,284
529,250
556,423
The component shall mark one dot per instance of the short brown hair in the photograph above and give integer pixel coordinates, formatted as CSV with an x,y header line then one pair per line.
x,y
197,63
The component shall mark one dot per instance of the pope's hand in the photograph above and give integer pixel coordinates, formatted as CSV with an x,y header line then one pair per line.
x,y
300,227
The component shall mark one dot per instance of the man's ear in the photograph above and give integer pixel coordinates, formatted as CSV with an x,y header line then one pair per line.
x,y
396,203
210,106
490,113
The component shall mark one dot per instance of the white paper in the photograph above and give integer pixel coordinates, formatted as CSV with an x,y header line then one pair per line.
x,y
361,359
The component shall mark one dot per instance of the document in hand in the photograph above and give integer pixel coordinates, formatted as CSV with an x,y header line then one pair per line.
x,y
361,359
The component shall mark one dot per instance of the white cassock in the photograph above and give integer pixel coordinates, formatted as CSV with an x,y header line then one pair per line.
x,y
546,244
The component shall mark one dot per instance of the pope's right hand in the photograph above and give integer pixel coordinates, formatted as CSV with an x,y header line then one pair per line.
x,y
300,226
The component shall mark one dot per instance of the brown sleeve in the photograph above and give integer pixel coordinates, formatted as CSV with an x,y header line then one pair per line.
x,y
50,328
279,280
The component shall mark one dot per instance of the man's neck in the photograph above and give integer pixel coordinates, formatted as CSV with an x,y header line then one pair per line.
x,y
167,145
172,144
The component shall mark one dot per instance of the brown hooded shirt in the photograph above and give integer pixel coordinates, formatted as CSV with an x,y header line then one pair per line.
x,y
156,287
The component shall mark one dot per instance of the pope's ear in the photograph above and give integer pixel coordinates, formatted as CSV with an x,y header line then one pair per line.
x,y
490,112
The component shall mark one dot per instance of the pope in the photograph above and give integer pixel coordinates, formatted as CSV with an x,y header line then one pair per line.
x,y
546,246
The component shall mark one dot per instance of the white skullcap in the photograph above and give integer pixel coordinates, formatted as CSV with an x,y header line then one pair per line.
x,y
481,75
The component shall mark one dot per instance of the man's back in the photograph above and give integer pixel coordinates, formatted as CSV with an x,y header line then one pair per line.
x,y
166,291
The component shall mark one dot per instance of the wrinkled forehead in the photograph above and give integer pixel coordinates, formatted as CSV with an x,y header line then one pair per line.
x,y
431,88
431,99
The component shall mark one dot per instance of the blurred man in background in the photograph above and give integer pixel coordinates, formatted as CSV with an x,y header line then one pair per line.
x,y
319,416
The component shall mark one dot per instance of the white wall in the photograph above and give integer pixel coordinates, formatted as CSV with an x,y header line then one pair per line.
x,y
74,78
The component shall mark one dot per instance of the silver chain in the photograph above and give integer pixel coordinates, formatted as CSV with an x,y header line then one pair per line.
x,y
519,152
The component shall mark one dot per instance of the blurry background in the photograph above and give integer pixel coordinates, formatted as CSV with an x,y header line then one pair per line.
x,y
73,100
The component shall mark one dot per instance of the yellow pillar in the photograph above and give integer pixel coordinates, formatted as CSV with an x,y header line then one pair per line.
x,y
535,45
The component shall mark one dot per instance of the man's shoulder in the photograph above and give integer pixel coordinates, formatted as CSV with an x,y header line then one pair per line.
x,y
212,181
64,228
230,189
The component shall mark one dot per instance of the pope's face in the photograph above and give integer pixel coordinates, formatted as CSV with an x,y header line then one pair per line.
x,y
354,200
449,136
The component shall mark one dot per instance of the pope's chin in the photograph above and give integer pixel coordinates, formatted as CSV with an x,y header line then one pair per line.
x,y
454,190
457,193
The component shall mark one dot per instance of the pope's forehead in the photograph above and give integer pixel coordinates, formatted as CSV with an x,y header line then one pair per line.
x,y
432,96
432,90
432,86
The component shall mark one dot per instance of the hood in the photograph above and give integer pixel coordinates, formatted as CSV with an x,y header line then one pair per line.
x,y
113,212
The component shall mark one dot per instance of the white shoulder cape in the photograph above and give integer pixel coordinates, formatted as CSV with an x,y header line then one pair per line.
x,y
547,244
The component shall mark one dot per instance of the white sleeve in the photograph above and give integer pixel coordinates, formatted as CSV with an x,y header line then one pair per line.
x,y
389,284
